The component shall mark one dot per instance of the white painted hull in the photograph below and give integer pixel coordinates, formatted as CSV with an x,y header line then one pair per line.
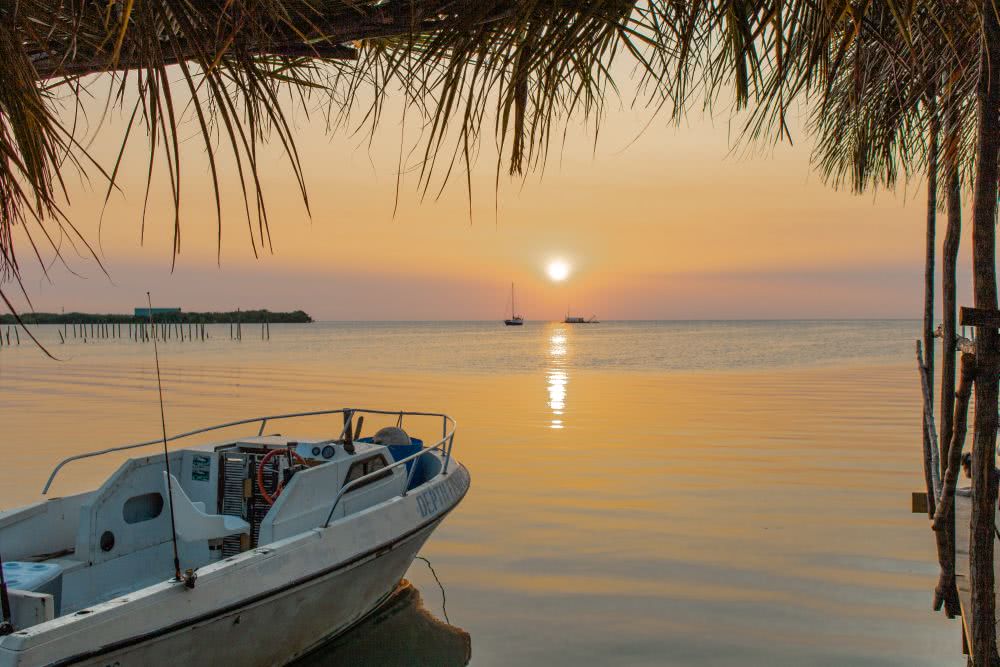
x,y
281,628
264,607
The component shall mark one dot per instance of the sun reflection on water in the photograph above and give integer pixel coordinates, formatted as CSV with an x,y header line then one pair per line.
x,y
556,375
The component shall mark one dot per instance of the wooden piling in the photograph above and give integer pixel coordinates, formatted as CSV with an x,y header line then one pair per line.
x,y
946,592
931,462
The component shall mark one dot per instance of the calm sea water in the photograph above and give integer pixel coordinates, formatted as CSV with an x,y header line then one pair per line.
x,y
644,493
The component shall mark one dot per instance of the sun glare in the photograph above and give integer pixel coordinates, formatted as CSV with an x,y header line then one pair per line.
x,y
558,270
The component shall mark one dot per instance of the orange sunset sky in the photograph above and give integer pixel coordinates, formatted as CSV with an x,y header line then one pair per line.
x,y
666,223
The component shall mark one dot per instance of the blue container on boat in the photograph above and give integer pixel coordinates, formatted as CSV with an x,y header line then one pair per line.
x,y
400,452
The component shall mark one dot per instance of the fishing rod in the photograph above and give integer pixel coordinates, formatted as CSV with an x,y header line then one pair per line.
x,y
166,454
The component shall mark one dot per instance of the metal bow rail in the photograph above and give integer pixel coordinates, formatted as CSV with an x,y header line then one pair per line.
x,y
444,444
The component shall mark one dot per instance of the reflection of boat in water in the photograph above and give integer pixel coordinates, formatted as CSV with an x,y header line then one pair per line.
x,y
515,319
400,633
286,541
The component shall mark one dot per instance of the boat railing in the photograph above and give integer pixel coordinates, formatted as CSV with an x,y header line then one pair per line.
x,y
444,444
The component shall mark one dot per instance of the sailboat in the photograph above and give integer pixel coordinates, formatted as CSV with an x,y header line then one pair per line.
x,y
515,319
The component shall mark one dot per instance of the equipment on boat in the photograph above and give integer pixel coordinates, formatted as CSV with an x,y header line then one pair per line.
x,y
291,541
392,436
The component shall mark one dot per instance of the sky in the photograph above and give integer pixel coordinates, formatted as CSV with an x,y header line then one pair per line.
x,y
656,221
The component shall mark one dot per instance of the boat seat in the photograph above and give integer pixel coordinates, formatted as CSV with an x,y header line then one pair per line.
x,y
194,524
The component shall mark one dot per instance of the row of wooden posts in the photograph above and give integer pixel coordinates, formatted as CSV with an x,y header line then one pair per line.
x,y
140,332
236,331
15,341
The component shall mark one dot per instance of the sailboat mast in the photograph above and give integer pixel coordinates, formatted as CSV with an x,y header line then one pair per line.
x,y
513,308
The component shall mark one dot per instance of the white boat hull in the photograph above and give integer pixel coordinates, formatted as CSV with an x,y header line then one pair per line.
x,y
279,628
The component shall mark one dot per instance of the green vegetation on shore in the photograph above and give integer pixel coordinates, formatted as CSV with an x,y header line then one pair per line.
x,y
245,316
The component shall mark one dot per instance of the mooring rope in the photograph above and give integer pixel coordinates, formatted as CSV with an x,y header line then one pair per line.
x,y
444,598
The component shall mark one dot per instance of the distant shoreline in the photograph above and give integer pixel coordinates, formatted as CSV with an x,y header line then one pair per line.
x,y
244,316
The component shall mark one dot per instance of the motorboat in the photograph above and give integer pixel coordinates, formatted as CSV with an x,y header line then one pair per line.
x,y
252,550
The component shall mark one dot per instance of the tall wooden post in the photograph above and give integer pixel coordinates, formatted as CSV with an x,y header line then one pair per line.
x,y
984,481
929,264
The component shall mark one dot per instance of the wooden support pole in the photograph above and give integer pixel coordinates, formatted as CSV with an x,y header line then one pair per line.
x,y
987,391
927,363
946,591
931,457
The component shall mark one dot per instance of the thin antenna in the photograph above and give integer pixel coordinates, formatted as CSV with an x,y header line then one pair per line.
x,y
166,454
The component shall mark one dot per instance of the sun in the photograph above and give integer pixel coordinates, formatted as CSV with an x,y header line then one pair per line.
x,y
558,270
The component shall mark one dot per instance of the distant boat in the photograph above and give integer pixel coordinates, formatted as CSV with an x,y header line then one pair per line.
x,y
515,319
573,319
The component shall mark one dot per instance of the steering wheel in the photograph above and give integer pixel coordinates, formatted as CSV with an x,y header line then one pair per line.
x,y
281,483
